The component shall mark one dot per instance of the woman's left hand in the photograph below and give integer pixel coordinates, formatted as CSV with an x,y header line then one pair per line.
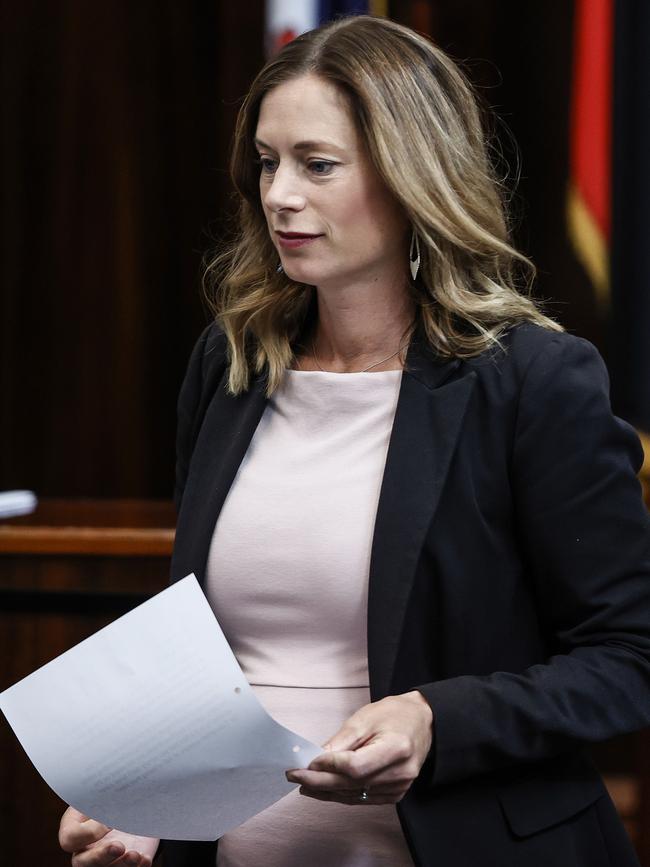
x,y
379,749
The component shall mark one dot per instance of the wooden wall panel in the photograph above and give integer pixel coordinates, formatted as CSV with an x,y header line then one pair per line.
x,y
116,123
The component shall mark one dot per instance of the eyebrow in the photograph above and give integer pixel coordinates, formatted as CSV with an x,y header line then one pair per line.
x,y
304,145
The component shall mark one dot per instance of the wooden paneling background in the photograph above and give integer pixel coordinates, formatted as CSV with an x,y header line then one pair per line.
x,y
116,122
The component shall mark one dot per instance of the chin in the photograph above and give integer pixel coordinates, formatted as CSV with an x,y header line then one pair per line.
x,y
294,271
318,273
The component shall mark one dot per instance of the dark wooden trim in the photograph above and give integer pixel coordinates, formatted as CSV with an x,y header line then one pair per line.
x,y
69,602
101,541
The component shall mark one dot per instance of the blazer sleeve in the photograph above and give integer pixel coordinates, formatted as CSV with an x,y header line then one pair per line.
x,y
585,540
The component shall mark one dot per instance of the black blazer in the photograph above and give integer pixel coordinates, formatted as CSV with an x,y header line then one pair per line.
x,y
509,582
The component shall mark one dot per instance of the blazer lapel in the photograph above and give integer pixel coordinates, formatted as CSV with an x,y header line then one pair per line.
x,y
427,424
227,430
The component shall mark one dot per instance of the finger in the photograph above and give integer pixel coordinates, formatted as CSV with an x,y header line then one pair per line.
x,y
105,857
355,794
323,780
357,730
102,856
350,736
374,758
319,781
133,859
352,800
77,831
397,774
337,762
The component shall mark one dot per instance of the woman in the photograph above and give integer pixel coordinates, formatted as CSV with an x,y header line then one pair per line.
x,y
431,552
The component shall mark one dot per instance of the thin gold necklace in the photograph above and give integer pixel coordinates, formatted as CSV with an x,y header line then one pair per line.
x,y
365,369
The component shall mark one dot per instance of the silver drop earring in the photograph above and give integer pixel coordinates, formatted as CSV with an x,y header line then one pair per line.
x,y
279,269
414,260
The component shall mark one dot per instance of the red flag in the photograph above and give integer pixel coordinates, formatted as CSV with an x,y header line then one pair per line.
x,y
589,199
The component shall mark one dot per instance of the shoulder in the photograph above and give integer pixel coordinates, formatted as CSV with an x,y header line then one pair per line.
x,y
547,383
545,394
209,353
558,386
211,347
532,357
526,343
205,367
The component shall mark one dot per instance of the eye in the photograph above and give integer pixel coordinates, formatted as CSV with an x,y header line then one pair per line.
x,y
321,167
267,165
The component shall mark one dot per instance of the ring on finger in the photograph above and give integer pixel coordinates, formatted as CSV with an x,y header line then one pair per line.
x,y
364,795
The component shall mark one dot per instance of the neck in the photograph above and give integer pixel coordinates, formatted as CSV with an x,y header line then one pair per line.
x,y
359,326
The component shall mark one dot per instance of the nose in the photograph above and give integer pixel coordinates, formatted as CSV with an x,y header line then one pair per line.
x,y
283,192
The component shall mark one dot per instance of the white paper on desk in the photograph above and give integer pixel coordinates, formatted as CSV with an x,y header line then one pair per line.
x,y
151,727
14,503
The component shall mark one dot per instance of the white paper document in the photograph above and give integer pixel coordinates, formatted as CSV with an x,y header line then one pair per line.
x,y
14,503
151,727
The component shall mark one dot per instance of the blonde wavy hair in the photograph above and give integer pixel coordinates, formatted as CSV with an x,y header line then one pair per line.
x,y
421,123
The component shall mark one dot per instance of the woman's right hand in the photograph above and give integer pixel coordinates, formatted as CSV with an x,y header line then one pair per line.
x,y
92,844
